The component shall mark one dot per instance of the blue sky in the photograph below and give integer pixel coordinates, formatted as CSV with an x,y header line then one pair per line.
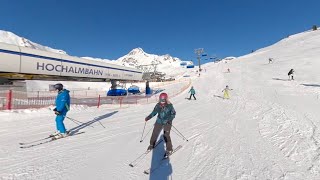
x,y
111,28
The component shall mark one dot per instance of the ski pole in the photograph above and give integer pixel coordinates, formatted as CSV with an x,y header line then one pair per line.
x,y
76,121
143,131
179,132
101,124
73,121
146,134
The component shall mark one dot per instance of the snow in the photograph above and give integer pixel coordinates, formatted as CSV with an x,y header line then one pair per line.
x,y
11,38
268,129
165,63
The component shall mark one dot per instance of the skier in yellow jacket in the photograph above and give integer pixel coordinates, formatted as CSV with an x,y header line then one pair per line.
x,y
226,92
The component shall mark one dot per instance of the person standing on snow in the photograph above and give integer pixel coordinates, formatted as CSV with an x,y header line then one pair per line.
x,y
192,93
166,114
226,92
270,60
290,73
62,107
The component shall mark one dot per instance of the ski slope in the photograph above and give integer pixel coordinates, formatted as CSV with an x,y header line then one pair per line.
x,y
268,129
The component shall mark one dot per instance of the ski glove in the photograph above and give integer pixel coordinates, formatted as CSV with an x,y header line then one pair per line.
x,y
57,112
147,118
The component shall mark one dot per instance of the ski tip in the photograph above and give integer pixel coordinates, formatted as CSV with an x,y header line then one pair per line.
x,y
145,172
131,165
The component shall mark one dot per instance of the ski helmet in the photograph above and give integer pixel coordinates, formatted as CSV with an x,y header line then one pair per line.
x,y
58,86
163,98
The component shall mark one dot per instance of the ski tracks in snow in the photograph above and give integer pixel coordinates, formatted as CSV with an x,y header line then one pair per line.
x,y
293,135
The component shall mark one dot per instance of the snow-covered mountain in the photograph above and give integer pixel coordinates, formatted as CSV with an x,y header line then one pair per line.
x,y
164,63
11,38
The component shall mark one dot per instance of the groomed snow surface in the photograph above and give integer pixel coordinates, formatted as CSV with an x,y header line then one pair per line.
x,y
268,129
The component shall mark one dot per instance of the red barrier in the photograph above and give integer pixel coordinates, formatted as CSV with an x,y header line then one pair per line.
x,y
99,101
9,100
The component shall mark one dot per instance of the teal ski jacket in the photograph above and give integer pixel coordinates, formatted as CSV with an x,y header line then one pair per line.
x,y
165,114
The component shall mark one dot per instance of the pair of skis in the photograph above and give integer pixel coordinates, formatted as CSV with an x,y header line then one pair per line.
x,y
137,160
150,170
162,161
44,141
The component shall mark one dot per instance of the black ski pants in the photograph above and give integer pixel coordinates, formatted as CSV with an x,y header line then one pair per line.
x,y
193,97
166,134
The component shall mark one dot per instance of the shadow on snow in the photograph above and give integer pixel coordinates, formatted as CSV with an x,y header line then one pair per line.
x,y
279,79
96,119
312,85
165,170
218,96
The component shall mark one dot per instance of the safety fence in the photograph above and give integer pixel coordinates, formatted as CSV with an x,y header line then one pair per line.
x,y
11,99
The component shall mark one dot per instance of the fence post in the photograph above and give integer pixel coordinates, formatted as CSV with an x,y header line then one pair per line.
x,y
9,100
99,101
136,99
120,101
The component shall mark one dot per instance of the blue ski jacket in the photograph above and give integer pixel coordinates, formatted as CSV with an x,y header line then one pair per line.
x,y
63,101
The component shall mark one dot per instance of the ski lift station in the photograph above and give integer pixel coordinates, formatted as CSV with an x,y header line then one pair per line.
x,y
21,63
190,66
187,64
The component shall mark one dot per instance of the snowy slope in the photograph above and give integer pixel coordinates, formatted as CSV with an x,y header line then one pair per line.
x,y
11,38
269,129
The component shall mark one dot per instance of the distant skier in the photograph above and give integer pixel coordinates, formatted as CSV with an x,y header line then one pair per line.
x,y
62,107
228,70
290,74
270,60
166,114
192,93
226,92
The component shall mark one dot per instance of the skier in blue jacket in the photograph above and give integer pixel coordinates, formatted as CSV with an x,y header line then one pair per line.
x,y
62,107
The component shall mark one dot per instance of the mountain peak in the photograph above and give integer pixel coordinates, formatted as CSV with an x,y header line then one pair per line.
x,y
136,51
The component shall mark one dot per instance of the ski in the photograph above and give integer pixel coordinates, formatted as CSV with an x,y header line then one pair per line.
x,y
50,139
138,159
151,170
31,142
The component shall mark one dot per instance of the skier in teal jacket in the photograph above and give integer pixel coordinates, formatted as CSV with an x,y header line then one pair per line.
x,y
166,114
192,93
